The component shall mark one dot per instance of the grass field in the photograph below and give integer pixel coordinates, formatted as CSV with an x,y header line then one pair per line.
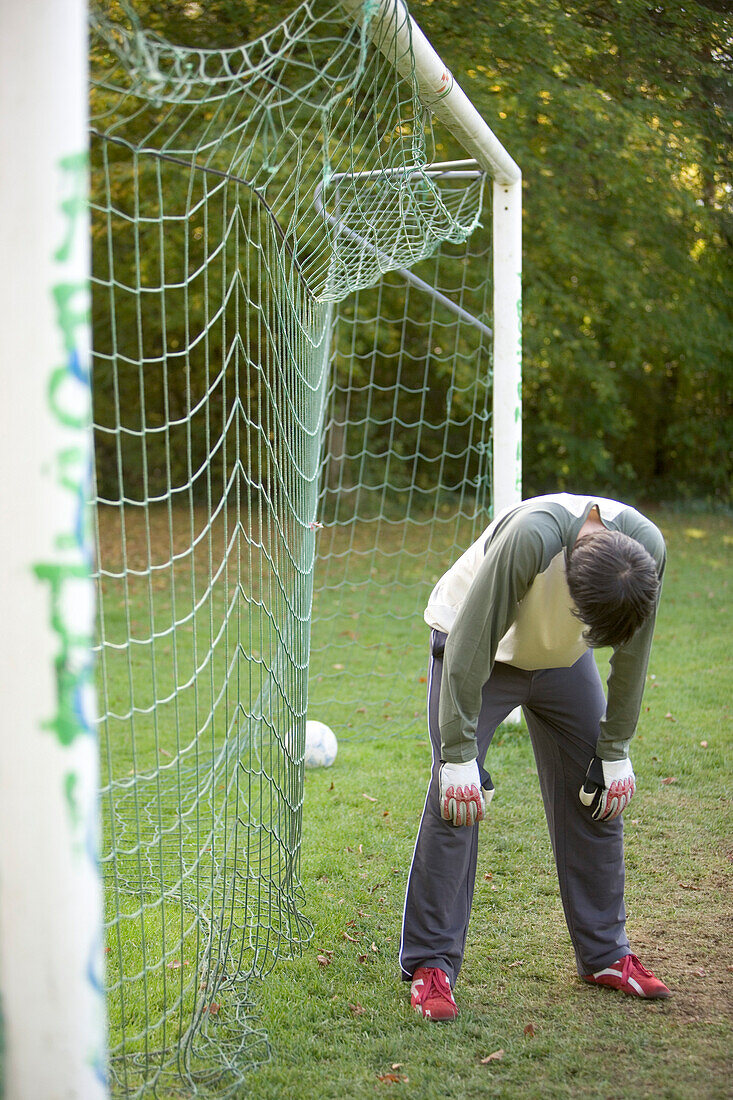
x,y
338,1018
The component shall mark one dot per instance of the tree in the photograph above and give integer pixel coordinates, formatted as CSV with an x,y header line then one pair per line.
x,y
619,113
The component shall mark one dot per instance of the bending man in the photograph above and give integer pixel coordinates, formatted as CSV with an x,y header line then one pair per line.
x,y
513,623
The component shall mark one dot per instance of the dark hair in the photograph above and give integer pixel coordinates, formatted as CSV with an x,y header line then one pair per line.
x,y
614,584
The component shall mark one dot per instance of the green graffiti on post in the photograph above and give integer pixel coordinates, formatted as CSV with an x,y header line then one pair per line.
x,y
67,573
69,402
71,783
69,317
71,675
75,207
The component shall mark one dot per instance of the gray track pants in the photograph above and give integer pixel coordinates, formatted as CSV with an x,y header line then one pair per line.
x,y
562,708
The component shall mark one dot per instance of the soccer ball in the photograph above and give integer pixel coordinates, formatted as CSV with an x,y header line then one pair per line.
x,y
321,745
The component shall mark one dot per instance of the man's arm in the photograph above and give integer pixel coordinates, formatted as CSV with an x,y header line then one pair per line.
x,y
629,663
513,559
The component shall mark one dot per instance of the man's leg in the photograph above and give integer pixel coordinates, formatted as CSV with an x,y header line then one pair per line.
x,y
562,713
441,878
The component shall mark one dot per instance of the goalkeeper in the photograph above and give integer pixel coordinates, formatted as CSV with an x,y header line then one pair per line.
x,y
514,622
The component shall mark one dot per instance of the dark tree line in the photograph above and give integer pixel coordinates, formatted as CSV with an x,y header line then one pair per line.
x,y
619,113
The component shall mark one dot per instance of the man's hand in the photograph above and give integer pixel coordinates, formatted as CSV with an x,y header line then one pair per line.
x,y
462,800
608,788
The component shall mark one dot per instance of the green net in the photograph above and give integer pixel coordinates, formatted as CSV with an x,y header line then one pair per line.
x,y
405,486
266,380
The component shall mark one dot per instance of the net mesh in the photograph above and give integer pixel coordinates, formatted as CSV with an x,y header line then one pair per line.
x,y
268,387
405,484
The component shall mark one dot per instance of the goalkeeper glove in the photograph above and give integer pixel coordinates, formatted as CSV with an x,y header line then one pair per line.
x,y
608,788
465,792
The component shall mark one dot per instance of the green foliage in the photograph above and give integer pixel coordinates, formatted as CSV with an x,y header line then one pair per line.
x,y
619,115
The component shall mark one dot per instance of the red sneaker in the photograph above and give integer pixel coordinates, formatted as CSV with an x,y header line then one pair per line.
x,y
431,994
631,977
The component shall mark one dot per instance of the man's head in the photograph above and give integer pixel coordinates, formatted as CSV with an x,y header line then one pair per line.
x,y
614,585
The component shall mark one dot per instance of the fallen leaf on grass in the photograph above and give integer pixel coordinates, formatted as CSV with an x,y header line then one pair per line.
x,y
700,972
669,779
688,886
368,798
351,939
213,1008
357,1009
392,1078
670,716
396,1065
324,959
703,744
517,962
529,1031
495,1057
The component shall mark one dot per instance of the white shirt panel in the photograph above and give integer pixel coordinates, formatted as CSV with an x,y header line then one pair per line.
x,y
545,633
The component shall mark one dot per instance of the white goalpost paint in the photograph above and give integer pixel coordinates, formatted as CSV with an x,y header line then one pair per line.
x,y
507,380
51,970
394,31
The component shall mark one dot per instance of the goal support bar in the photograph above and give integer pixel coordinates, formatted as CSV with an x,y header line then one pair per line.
x,y
451,170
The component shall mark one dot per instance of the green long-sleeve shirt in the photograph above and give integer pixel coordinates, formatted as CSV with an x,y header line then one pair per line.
x,y
507,599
